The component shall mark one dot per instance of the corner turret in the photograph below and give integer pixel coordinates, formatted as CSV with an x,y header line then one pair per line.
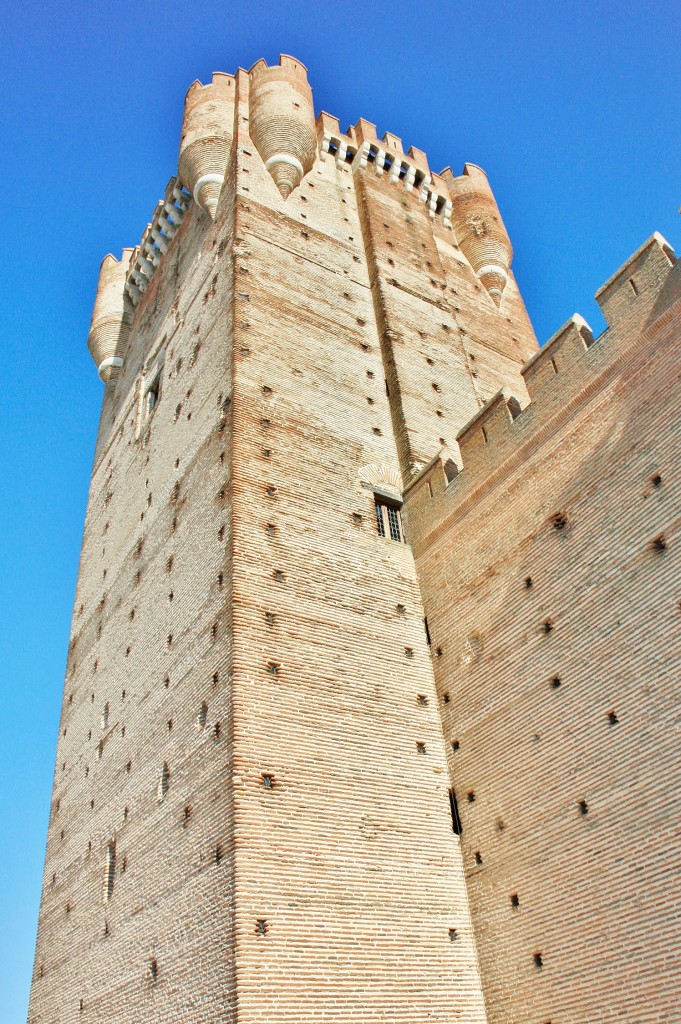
x,y
282,123
479,228
111,318
205,146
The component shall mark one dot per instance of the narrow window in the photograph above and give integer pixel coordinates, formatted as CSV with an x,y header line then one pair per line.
x,y
454,807
633,286
105,716
152,394
163,782
389,519
109,870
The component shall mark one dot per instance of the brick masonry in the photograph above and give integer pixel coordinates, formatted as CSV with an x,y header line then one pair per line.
x,y
549,569
250,817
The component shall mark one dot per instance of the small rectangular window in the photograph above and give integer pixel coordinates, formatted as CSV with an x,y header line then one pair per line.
x,y
388,519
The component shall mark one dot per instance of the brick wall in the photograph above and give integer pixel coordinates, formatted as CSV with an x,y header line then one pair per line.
x,y
549,570
155,527
293,646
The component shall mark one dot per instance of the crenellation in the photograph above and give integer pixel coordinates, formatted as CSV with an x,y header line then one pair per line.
x,y
630,296
392,142
326,125
418,157
363,131
562,353
565,373
167,218
488,431
361,147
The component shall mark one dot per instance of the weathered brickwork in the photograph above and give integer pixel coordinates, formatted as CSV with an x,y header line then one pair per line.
x,y
549,569
251,814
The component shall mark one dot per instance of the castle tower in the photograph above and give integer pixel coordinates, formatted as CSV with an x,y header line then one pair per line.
x,y
205,147
111,318
251,817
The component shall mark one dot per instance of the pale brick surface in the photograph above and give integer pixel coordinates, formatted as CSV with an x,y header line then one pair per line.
x,y
599,445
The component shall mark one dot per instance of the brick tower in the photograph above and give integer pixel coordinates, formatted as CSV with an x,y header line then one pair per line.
x,y
254,814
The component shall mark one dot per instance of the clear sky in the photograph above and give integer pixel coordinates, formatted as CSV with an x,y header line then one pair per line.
x,y
571,107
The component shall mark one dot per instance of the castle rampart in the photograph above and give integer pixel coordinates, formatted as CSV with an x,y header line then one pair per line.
x,y
547,561
568,370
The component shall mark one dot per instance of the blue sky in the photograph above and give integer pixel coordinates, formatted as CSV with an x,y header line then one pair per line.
x,y
572,108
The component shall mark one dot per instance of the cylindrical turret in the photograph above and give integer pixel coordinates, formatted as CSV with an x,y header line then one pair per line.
x,y
207,132
281,121
479,228
111,318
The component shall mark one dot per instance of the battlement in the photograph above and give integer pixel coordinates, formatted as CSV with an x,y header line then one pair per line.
x,y
219,79
282,127
571,367
291,65
167,218
360,147
632,292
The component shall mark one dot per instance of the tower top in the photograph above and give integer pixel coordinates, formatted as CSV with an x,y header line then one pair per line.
x,y
276,108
